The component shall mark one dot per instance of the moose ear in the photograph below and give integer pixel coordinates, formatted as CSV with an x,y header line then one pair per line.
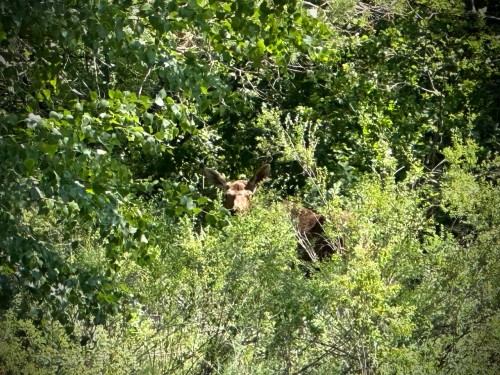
x,y
260,174
215,178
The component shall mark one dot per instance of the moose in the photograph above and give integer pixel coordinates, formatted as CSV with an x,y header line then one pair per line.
x,y
312,243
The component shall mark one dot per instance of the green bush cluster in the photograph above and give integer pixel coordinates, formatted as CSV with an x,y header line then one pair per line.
x,y
117,257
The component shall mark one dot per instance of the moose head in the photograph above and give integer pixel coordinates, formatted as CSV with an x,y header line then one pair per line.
x,y
237,193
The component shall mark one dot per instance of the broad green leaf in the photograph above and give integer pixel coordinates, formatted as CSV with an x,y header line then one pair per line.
x,y
46,94
73,206
261,47
159,101
29,164
48,148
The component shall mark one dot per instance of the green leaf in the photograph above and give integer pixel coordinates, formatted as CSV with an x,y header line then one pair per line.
x,y
79,106
29,164
159,101
160,135
73,206
261,46
202,200
48,148
55,115
46,93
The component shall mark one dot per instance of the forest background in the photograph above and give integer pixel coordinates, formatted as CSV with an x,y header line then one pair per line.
x,y
116,257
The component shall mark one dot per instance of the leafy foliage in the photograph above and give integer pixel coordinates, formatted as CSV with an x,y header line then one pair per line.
x,y
382,116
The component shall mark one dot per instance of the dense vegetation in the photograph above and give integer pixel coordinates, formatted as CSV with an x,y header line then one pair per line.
x,y
117,257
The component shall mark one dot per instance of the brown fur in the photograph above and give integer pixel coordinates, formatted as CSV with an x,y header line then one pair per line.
x,y
313,245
